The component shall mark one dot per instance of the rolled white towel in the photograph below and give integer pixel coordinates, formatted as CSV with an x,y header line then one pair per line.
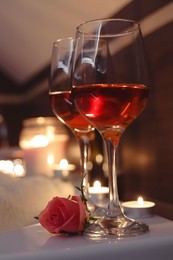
x,y
22,199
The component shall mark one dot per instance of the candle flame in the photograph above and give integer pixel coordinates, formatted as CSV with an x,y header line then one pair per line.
x,y
97,184
63,164
39,141
140,201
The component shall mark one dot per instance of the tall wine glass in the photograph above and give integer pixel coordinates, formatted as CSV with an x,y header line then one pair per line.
x,y
110,90
62,103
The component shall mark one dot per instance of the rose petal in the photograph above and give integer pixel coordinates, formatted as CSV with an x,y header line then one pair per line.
x,y
82,211
72,225
63,214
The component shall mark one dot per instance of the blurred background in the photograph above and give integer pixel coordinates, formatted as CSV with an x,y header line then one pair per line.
x,y
27,31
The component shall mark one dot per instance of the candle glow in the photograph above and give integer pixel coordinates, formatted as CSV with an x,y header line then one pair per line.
x,y
98,188
97,184
63,164
63,168
43,143
140,201
12,167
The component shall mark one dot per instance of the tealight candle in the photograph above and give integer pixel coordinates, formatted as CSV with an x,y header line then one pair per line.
x,y
98,193
98,189
139,208
63,169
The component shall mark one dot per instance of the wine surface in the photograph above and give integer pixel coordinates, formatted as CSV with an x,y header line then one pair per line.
x,y
110,105
63,107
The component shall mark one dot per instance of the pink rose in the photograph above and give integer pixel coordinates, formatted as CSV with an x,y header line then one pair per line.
x,y
64,215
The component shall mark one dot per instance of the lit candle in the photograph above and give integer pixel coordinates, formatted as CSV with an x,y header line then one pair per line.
x,y
98,193
12,167
63,169
98,189
43,144
39,155
139,208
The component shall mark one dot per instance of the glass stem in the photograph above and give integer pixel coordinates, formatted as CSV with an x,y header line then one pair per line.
x,y
114,208
84,146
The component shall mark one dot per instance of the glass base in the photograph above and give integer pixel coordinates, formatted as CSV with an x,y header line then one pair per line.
x,y
119,227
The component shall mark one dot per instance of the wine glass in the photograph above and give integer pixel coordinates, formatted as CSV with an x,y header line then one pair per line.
x,y
62,103
110,90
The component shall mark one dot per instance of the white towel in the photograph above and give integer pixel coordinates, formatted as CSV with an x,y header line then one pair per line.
x,y
21,199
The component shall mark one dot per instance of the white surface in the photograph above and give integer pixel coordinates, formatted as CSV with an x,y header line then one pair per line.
x,y
34,242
